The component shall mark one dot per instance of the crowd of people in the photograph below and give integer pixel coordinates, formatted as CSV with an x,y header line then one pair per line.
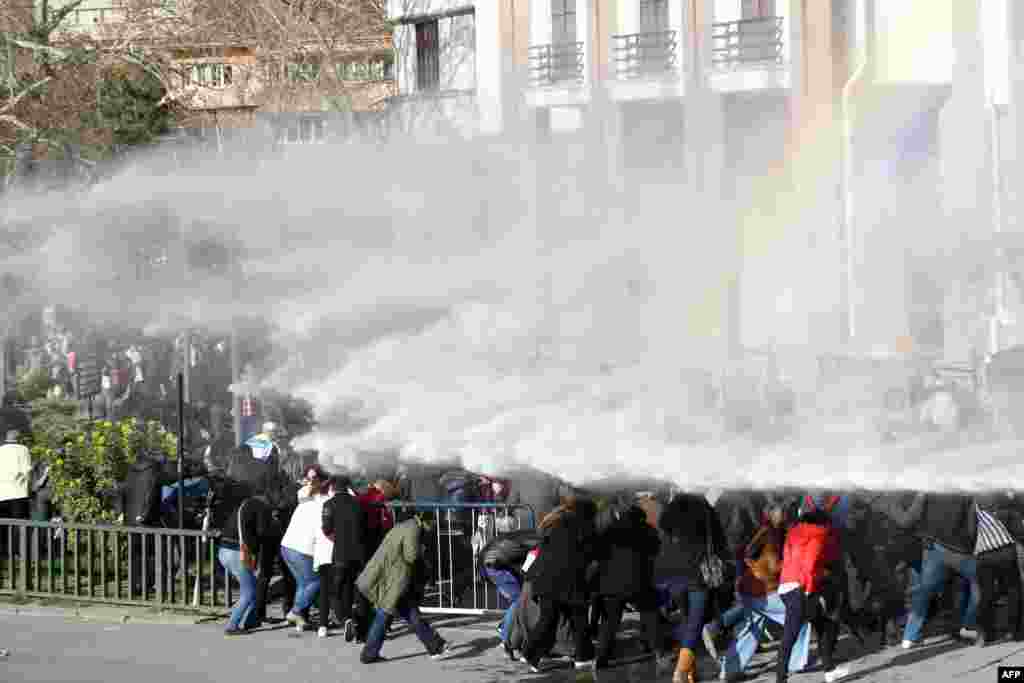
x,y
723,574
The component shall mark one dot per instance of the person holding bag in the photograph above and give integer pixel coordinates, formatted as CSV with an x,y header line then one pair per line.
x,y
689,564
240,542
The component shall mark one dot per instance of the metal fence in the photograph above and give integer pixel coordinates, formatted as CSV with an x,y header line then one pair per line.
x,y
127,565
748,42
178,569
639,55
557,64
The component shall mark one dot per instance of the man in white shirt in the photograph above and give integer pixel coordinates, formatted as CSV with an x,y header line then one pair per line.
x,y
15,476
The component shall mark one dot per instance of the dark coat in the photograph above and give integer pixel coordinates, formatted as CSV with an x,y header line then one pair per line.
x,y
344,522
560,570
947,519
625,555
740,514
509,551
683,526
254,523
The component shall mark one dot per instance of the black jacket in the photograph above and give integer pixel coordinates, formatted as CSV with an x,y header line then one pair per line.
x,y
945,518
625,555
255,522
560,571
683,527
740,515
509,551
344,522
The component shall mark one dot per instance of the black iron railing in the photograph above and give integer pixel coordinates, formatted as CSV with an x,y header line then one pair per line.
x,y
749,42
639,55
556,64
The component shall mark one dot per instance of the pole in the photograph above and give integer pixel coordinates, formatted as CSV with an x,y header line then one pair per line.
x,y
181,450
999,317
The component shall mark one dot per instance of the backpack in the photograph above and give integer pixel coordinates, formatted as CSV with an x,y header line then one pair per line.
x,y
141,502
259,477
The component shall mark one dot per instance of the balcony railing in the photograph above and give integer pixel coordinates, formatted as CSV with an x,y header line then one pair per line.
x,y
747,43
640,55
561,63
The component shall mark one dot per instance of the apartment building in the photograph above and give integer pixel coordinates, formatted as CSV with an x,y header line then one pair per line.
x,y
296,91
817,135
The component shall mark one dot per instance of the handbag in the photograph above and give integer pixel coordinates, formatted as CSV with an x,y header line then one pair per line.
x,y
712,568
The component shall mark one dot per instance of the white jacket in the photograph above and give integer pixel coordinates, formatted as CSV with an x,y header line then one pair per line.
x,y
304,528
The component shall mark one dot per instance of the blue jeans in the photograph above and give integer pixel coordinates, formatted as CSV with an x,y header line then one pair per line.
x,y
935,566
307,582
243,614
733,615
757,612
508,587
432,642
688,632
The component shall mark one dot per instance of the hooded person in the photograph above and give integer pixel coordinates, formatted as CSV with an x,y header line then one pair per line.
x,y
243,532
809,559
393,582
559,580
625,556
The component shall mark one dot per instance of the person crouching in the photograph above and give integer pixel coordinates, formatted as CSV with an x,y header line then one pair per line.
x,y
393,583
812,547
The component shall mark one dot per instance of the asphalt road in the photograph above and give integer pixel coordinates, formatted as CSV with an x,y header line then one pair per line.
x,y
44,647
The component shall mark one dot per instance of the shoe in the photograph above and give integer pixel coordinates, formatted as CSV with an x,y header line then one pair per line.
x,y
321,632
968,633
583,665
374,660
837,674
235,632
509,651
709,634
444,653
909,644
535,667
350,630
686,667
664,662
982,640
297,620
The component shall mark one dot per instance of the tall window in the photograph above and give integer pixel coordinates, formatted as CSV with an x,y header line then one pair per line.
x,y
428,57
757,9
563,21
210,75
653,16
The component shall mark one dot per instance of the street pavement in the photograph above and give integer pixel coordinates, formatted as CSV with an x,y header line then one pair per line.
x,y
55,645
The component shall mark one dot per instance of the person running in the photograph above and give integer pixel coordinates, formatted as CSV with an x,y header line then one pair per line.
x,y
393,582
559,578
343,521
299,544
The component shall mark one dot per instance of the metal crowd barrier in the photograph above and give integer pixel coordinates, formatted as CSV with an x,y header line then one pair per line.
x,y
172,568
115,564
460,532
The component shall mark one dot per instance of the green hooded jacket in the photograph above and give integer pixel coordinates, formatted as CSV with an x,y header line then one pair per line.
x,y
389,573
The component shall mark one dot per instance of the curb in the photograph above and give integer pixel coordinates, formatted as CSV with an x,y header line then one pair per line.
x,y
97,614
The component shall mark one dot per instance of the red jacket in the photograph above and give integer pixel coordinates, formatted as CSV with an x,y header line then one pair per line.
x,y
809,549
378,517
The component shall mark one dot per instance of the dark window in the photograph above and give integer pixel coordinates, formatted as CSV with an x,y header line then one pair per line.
x,y
563,21
757,9
428,63
653,16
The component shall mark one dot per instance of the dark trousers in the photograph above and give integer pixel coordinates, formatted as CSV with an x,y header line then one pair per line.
x,y
612,609
338,592
542,638
999,565
801,608
269,562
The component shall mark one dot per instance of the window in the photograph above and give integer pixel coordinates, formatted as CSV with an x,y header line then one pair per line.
x,y
304,72
563,21
210,75
374,70
428,62
653,16
305,130
758,9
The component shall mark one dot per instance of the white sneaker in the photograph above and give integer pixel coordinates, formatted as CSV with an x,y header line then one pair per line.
x,y
586,664
443,653
908,644
321,632
837,674
968,633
